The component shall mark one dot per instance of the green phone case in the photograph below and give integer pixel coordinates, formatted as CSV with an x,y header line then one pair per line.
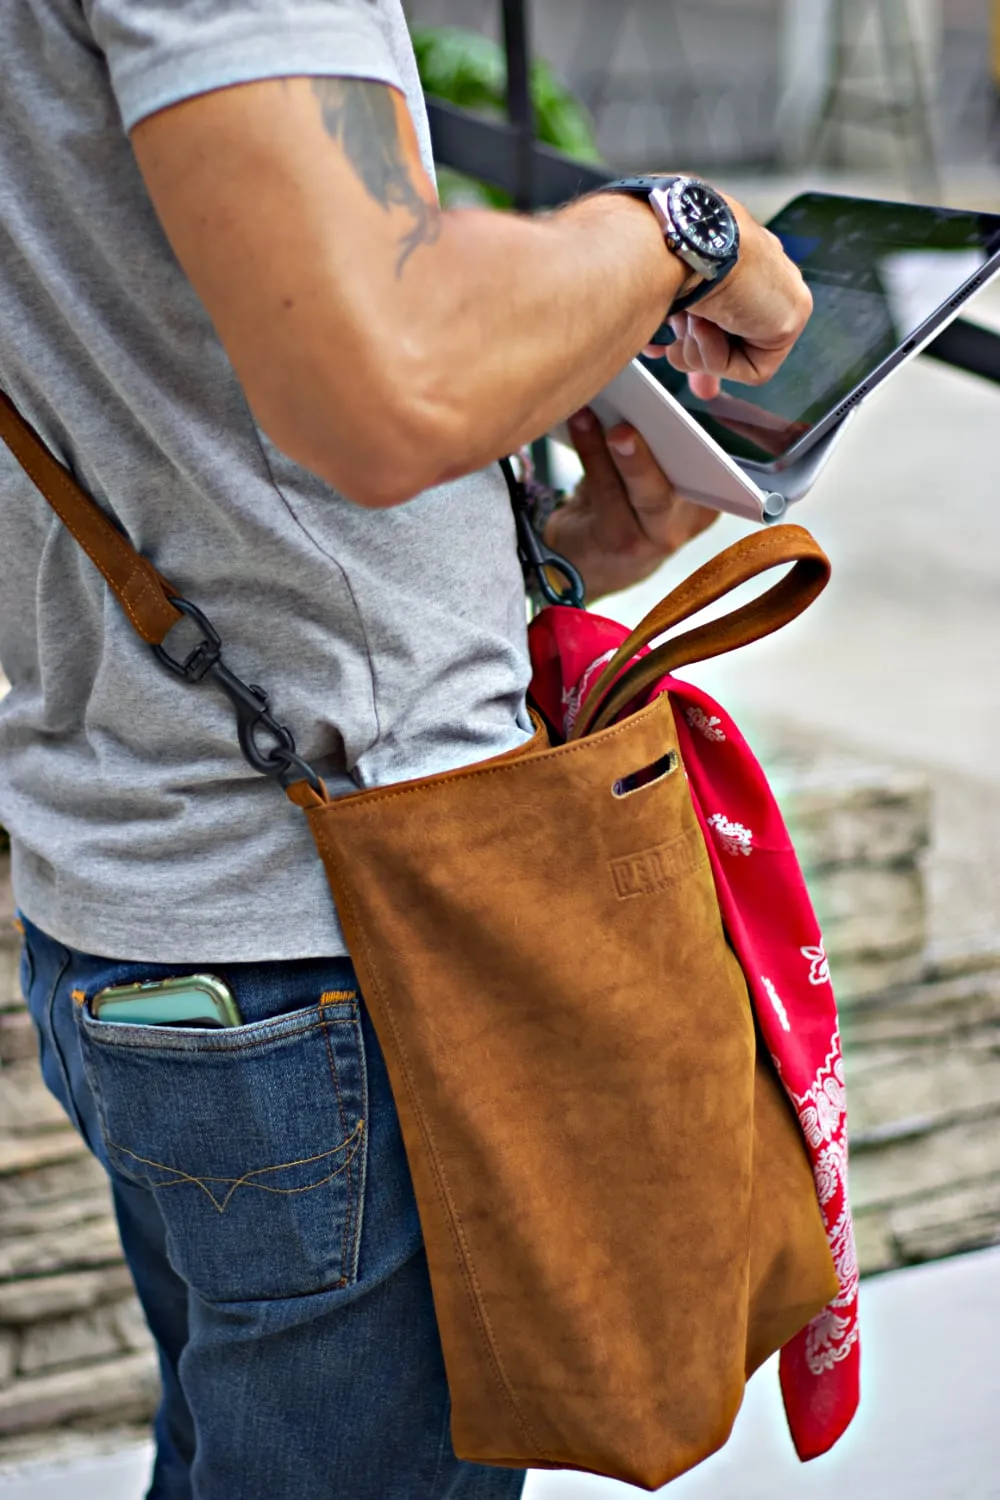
x,y
200,1000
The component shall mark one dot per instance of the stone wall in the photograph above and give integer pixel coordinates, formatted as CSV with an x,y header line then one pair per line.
x,y
74,1348
921,1025
924,1093
922,1042
862,833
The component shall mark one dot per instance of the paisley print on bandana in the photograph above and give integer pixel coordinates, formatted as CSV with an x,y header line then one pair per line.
x,y
819,964
707,725
733,837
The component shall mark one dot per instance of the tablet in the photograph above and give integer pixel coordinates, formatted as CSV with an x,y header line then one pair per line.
x,y
885,278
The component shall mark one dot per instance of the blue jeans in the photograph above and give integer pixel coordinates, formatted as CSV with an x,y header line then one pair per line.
x,y
268,1218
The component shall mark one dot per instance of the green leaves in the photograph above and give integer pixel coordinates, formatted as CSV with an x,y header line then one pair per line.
x,y
462,67
470,71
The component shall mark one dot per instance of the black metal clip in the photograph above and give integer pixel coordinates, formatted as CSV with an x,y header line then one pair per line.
x,y
252,705
537,560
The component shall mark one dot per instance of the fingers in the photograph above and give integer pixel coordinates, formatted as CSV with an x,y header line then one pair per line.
x,y
745,327
665,520
707,347
634,508
749,364
702,348
649,491
615,528
591,444
705,387
634,505
624,518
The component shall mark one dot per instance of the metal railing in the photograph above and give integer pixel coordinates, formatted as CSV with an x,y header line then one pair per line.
x,y
507,155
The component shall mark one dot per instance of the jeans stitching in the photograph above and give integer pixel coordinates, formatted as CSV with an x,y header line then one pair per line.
x,y
26,970
349,1215
206,1050
338,1007
69,1104
181,1177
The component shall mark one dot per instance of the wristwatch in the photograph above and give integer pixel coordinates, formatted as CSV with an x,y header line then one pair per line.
x,y
698,226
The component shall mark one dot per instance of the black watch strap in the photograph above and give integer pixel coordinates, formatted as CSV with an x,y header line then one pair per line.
x,y
665,335
641,187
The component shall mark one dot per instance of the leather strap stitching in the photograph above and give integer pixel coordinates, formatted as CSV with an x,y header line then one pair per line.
x,y
142,586
145,587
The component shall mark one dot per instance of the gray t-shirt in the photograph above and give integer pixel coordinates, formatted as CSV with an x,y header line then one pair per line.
x,y
392,642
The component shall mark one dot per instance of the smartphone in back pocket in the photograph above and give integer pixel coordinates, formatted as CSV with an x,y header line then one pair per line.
x,y
199,1000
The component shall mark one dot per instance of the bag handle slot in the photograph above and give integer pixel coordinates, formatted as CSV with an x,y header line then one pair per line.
x,y
738,564
637,781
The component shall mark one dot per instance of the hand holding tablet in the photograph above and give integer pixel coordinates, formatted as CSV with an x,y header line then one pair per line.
x,y
884,279
743,329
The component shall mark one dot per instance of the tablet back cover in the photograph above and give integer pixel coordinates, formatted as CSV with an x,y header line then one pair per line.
x,y
695,464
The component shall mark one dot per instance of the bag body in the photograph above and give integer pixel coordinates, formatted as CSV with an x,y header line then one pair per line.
x,y
619,1212
621,1215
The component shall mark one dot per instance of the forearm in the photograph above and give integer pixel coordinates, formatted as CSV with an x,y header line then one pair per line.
x,y
495,331
509,324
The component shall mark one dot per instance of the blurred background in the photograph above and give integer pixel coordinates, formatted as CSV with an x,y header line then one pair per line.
x,y
742,85
878,716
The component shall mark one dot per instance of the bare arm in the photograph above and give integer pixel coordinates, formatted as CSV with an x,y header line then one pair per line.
x,y
382,343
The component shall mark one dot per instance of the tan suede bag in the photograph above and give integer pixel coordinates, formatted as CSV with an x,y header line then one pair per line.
x,y
620,1217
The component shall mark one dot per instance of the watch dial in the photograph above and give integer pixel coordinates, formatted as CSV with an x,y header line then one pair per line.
x,y
704,219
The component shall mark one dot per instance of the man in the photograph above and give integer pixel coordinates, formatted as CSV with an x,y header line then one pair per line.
x,y
230,302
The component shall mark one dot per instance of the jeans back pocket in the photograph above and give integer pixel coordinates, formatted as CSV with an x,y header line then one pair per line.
x,y
253,1140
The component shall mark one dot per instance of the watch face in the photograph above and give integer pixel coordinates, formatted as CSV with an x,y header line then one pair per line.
x,y
703,218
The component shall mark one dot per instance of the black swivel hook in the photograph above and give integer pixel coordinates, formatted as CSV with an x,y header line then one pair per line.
x,y
537,560
254,721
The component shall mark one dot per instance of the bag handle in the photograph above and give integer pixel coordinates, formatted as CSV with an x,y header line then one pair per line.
x,y
739,563
144,594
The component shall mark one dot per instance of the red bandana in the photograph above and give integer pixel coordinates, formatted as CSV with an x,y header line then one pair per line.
x,y
757,875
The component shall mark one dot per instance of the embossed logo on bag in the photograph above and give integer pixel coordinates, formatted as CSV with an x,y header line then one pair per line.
x,y
655,869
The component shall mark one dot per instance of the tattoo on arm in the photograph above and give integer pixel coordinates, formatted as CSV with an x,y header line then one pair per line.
x,y
362,117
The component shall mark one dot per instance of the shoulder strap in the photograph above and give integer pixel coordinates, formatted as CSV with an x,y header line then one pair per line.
x,y
144,594
149,600
744,560
154,607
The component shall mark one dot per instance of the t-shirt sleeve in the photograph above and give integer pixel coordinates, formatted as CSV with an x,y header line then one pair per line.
x,y
162,51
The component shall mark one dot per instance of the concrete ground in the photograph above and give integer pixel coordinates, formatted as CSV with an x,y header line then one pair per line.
x,y
927,1429
927,1425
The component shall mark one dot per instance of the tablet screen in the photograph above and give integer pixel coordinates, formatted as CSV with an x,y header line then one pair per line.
x,y
877,273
